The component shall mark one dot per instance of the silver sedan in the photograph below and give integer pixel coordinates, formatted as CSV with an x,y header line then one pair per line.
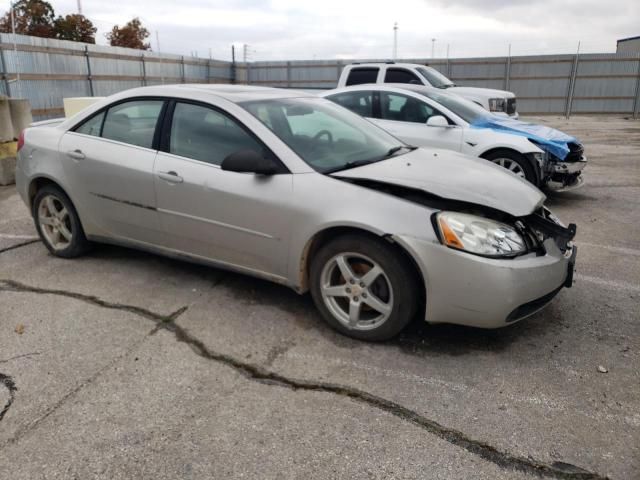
x,y
298,190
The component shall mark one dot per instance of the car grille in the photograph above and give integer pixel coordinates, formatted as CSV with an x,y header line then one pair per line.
x,y
575,152
511,106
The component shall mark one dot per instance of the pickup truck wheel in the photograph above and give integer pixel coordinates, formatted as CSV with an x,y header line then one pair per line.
x,y
363,287
516,163
58,224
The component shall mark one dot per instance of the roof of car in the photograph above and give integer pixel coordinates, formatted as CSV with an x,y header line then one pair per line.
x,y
388,63
232,93
392,86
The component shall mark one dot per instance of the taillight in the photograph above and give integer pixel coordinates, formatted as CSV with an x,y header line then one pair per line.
x,y
21,140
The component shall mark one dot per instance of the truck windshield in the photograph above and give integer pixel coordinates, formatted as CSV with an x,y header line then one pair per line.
x,y
435,78
326,136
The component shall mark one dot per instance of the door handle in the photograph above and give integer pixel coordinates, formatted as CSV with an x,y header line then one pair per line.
x,y
170,176
76,154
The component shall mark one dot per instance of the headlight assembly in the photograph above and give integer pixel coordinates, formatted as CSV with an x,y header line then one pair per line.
x,y
479,235
497,104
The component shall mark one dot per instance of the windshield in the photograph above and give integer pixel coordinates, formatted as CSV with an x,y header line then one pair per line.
x,y
465,109
435,78
325,135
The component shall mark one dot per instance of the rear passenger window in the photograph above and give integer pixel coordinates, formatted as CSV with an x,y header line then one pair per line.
x,y
358,76
358,102
133,122
91,126
400,75
207,135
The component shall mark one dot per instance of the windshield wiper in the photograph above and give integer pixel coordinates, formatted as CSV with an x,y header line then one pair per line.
x,y
358,163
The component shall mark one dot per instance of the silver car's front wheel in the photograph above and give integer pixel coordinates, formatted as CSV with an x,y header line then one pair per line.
x,y
58,223
356,291
364,287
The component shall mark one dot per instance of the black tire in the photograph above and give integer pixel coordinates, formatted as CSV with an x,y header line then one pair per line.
x,y
530,172
78,244
397,269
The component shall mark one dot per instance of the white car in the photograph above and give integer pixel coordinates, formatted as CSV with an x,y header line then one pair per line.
x,y
428,117
499,102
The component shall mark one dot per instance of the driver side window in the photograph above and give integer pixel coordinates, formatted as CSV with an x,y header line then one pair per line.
x,y
402,108
207,135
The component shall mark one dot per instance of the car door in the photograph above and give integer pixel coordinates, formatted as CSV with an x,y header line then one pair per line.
x,y
228,217
406,117
108,160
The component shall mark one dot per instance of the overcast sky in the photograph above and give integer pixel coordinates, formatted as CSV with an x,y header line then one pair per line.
x,y
328,29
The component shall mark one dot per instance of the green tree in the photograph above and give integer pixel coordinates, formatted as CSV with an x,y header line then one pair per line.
x,y
75,27
132,35
32,17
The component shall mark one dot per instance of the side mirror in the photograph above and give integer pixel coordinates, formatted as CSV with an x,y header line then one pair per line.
x,y
249,161
437,121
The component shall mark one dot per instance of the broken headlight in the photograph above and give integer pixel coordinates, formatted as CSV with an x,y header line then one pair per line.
x,y
498,104
479,235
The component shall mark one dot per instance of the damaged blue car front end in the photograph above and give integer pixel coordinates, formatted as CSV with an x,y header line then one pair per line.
x,y
564,158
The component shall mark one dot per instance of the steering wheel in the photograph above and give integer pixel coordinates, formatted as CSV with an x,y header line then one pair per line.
x,y
326,133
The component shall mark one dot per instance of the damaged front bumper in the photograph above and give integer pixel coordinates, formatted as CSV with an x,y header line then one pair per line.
x,y
563,175
467,289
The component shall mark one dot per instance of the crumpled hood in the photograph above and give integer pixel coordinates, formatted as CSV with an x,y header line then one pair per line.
x,y
454,176
481,92
549,139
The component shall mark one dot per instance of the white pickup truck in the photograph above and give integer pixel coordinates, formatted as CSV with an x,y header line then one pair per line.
x,y
496,101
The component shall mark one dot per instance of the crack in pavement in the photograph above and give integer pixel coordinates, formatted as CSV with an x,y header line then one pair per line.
x,y
257,373
15,357
27,428
18,245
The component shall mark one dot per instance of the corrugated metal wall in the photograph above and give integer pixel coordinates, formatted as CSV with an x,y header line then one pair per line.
x,y
560,84
51,69
548,84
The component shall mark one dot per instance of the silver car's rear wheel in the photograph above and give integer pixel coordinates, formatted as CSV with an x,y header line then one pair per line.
x,y
356,291
58,223
55,222
364,287
511,165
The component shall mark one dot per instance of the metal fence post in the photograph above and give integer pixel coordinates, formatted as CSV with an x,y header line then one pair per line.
x,y
89,77
636,101
144,70
339,68
572,84
288,74
182,74
3,73
507,70
209,70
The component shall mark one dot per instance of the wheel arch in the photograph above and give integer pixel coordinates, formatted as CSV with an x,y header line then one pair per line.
x,y
40,182
321,237
527,157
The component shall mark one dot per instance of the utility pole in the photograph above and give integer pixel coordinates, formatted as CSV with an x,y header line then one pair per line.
x,y
433,47
395,40
160,56
15,50
79,7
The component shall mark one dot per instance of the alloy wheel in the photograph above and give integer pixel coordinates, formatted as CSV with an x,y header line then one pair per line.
x,y
55,222
511,165
357,291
